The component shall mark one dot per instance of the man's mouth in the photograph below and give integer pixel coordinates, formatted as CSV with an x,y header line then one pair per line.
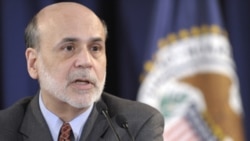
x,y
83,84
82,81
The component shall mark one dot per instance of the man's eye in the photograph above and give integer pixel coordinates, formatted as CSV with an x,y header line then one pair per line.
x,y
95,48
69,48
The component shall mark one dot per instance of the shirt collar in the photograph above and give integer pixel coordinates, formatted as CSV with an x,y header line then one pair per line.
x,y
54,122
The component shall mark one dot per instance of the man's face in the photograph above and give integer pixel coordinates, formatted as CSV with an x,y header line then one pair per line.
x,y
71,61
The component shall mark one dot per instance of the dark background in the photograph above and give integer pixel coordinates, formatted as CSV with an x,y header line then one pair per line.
x,y
128,22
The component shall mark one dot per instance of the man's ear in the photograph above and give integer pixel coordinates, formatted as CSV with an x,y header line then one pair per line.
x,y
31,58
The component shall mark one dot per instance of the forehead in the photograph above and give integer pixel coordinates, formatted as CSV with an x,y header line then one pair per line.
x,y
69,20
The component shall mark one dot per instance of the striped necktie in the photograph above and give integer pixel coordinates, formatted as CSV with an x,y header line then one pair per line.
x,y
66,133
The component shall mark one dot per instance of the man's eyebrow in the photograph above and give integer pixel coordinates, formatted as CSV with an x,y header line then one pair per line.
x,y
73,39
97,39
69,39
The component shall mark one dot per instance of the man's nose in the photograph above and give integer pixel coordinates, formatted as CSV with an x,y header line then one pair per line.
x,y
84,58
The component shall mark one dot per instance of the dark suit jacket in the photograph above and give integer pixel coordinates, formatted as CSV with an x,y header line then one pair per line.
x,y
24,122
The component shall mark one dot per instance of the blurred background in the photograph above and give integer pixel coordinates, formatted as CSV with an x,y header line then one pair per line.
x,y
140,33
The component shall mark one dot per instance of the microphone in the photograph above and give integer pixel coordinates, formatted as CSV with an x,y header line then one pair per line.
x,y
103,109
123,123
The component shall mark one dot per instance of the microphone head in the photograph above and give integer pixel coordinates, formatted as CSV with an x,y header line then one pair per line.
x,y
101,107
122,121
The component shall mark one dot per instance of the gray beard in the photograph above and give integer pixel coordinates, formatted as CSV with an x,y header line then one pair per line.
x,y
58,90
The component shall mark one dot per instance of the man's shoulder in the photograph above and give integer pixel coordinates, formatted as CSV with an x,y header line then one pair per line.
x,y
126,106
14,114
144,121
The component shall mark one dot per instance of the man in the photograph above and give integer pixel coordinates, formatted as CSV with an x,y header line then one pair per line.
x,y
66,53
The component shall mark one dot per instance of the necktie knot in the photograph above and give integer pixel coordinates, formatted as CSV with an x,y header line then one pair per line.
x,y
65,132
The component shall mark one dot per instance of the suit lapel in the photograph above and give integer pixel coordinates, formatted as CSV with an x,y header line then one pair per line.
x,y
95,127
34,126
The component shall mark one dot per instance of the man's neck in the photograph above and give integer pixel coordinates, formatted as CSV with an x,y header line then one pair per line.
x,y
61,109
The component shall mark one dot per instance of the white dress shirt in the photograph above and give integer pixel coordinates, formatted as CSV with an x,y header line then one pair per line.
x,y
54,122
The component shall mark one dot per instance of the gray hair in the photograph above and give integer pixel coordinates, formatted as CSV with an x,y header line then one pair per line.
x,y
31,34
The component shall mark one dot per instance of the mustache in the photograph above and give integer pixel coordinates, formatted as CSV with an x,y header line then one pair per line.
x,y
83,75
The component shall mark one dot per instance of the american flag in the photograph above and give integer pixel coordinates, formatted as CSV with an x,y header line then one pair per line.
x,y
189,127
